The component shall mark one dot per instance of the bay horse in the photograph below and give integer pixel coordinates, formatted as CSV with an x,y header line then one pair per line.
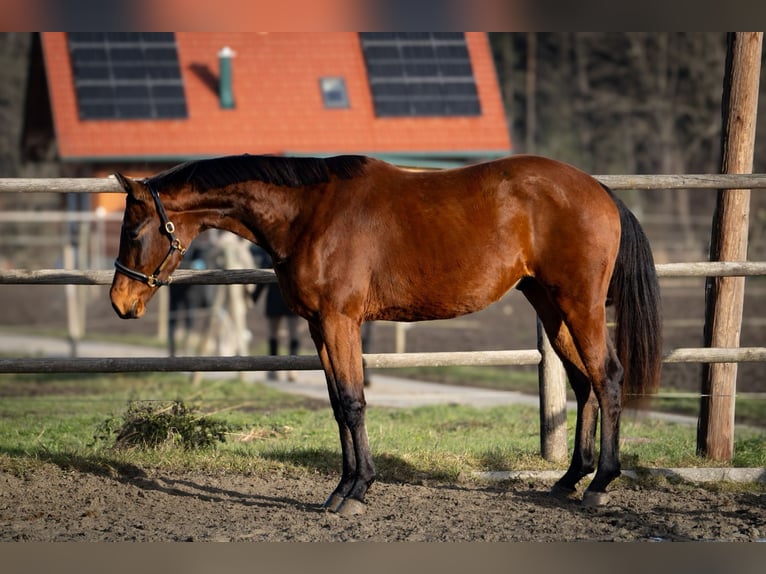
x,y
356,239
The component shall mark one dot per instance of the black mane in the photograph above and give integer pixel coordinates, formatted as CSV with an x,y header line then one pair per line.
x,y
218,172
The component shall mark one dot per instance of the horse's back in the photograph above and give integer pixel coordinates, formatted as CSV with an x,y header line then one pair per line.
x,y
528,205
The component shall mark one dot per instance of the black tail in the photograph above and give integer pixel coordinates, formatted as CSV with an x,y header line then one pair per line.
x,y
635,292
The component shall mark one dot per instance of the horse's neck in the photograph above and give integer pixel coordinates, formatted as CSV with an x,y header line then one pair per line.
x,y
259,213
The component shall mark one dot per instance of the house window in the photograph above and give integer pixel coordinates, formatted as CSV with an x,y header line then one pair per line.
x,y
420,74
127,75
334,93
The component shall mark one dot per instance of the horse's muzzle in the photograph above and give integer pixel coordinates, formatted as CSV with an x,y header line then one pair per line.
x,y
133,312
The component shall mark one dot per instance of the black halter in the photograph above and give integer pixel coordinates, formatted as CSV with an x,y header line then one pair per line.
x,y
154,280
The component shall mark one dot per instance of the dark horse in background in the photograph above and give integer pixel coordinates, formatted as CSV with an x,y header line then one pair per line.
x,y
356,239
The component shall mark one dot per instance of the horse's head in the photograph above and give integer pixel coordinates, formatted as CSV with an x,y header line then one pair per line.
x,y
151,247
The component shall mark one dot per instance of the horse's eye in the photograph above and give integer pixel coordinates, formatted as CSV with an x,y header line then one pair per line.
x,y
132,234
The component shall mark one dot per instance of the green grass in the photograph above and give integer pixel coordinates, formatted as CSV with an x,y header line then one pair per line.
x,y
748,411
56,418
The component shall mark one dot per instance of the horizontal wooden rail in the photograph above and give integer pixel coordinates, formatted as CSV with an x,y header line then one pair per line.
x,y
68,216
311,363
643,181
61,185
181,276
716,355
712,269
688,181
248,276
259,362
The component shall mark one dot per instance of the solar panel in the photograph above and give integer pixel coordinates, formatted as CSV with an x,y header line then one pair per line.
x,y
127,75
420,74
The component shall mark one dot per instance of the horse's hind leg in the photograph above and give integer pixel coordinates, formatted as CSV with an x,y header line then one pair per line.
x,y
583,459
576,326
339,346
583,455
587,325
610,400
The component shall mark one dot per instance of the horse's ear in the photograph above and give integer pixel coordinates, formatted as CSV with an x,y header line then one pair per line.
x,y
130,185
124,181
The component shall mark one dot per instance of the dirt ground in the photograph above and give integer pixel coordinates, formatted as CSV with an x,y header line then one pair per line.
x,y
55,505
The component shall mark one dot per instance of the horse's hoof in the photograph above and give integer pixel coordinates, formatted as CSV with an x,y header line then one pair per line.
x,y
563,492
592,499
352,507
333,503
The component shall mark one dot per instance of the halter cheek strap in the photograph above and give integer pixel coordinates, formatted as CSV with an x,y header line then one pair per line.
x,y
154,280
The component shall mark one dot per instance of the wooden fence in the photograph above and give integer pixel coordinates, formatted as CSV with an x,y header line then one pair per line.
x,y
387,360
381,360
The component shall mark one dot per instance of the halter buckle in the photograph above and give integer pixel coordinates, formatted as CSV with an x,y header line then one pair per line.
x,y
176,244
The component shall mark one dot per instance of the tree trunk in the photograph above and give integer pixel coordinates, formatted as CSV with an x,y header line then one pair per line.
x,y
531,90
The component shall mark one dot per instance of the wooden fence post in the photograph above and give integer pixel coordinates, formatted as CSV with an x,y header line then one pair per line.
x,y
553,400
163,316
74,326
725,295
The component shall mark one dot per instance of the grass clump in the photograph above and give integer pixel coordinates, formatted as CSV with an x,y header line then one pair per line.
x,y
159,424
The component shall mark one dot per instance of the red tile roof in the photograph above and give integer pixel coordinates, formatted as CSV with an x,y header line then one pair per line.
x,y
279,107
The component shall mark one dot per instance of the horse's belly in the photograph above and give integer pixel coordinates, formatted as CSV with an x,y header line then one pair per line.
x,y
444,302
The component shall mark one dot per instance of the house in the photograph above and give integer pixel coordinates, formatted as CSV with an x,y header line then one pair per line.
x,y
140,102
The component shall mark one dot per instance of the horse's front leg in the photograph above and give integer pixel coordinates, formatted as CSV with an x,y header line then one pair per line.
x,y
338,495
338,343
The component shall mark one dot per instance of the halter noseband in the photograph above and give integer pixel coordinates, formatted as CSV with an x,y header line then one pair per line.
x,y
154,280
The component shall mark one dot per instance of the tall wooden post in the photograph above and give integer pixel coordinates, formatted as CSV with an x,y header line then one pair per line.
x,y
725,295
